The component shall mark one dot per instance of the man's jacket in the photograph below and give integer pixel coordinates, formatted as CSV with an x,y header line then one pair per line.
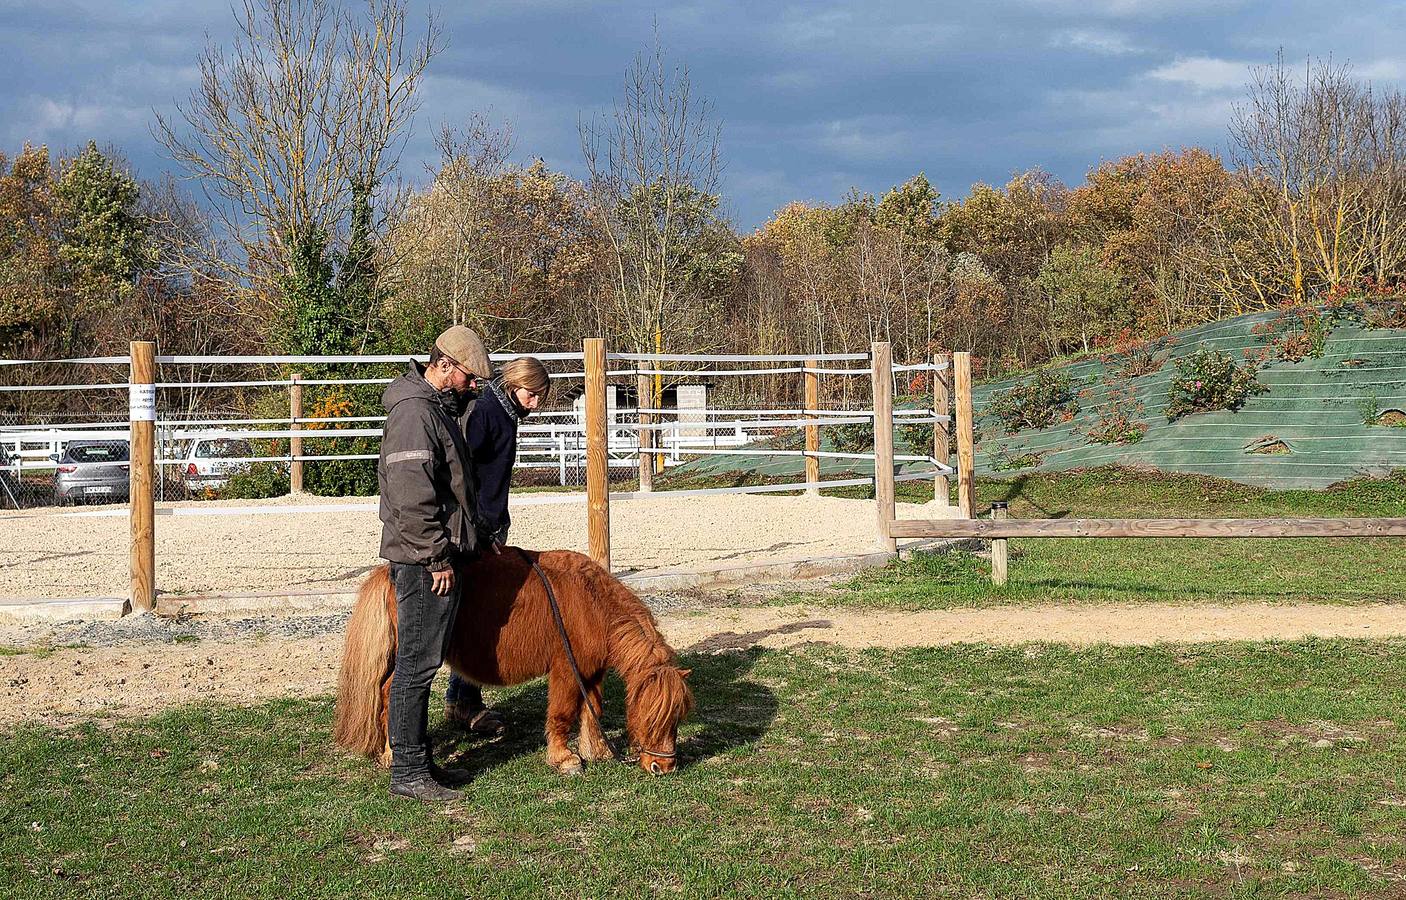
x,y
427,490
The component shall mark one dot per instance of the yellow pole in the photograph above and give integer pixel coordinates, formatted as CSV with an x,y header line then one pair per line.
x,y
658,393
812,401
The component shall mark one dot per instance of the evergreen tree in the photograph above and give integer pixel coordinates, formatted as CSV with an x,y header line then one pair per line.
x,y
104,244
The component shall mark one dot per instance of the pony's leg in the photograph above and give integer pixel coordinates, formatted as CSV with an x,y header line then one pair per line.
x,y
592,743
563,708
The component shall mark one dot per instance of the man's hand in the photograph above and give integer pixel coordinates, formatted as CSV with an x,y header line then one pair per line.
x,y
442,582
497,547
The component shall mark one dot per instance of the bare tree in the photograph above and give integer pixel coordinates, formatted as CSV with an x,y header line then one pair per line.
x,y
509,250
654,170
309,103
1320,163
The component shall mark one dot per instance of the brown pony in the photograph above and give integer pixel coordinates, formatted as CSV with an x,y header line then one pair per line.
x,y
504,634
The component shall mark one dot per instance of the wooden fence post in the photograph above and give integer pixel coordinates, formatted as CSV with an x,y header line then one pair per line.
x,y
597,463
812,401
999,558
966,451
141,419
942,431
884,508
295,446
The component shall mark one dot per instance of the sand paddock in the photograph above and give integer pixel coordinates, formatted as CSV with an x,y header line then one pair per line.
x,y
45,556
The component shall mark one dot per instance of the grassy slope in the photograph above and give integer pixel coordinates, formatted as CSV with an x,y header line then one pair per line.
x,y
1313,406
1234,770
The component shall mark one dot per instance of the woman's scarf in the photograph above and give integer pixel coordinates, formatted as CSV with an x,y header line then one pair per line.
x,y
509,404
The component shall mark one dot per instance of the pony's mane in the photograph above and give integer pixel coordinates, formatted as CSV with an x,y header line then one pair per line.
x,y
658,694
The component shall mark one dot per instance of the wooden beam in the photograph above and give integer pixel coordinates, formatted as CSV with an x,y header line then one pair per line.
x,y
1149,528
812,401
597,464
882,375
141,495
942,431
966,442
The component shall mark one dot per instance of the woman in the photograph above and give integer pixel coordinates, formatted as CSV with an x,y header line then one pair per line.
x,y
521,387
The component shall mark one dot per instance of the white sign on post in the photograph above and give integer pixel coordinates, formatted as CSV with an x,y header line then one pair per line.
x,y
141,403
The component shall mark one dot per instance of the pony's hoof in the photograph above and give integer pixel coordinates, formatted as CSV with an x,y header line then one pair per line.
x,y
570,766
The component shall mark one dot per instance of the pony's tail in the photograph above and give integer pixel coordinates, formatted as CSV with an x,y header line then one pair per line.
x,y
368,659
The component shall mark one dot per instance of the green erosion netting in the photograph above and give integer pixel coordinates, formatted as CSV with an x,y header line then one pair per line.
x,y
1307,431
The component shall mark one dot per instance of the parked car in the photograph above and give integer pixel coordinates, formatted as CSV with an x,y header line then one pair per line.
x,y
91,470
209,462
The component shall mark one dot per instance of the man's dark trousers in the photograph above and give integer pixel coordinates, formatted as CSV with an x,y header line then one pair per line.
x,y
423,625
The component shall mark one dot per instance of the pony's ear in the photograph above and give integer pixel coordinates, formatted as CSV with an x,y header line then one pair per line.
x,y
684,673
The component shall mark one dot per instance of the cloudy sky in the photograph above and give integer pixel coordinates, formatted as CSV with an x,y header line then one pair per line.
x,y
814,98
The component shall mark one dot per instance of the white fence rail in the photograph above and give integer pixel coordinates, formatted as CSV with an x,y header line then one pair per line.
x,y
550,440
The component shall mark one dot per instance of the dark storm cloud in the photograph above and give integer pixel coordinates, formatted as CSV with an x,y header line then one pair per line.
x,y
814,98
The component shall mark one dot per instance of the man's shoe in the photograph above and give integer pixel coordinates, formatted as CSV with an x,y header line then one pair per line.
x,y
424,788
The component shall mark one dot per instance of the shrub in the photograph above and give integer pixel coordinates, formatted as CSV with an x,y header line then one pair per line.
x,y
1209,380
1002,461
343,477
1133,357
257,482
919,436
1117,420
1371,409
1376,304
1038,403
1299,333
852,438
1384,314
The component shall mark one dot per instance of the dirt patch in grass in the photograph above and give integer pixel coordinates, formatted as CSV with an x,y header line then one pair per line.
x,y
66,685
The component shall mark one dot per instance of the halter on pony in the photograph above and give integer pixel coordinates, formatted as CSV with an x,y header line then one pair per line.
x,y
576,670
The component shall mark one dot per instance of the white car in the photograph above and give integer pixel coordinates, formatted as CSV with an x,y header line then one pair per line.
x,y
209,462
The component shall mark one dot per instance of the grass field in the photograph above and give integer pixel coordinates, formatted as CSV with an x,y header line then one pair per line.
x,y
1336,570
1216,770
1220,770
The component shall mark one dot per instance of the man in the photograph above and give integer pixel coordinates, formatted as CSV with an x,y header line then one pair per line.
x,y
427,511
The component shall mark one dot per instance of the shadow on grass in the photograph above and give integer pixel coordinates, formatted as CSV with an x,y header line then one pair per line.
x,y
732,709
1015,490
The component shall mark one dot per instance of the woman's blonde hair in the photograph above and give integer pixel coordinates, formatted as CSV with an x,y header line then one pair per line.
x,y
526,372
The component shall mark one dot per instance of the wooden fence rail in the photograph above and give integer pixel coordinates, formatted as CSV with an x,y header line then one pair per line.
x,y
1146,528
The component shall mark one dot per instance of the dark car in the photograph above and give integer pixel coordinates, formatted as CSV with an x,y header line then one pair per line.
x,y
92,470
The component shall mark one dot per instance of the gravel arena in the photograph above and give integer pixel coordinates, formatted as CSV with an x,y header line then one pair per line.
x,y
309,554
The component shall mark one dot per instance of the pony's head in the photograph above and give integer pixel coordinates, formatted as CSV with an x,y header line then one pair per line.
x,y
658,700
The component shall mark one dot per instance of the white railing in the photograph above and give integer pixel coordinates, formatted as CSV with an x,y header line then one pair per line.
x,y
549,440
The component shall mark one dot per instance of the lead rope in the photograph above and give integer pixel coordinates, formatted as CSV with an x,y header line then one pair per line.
x,y
571,657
